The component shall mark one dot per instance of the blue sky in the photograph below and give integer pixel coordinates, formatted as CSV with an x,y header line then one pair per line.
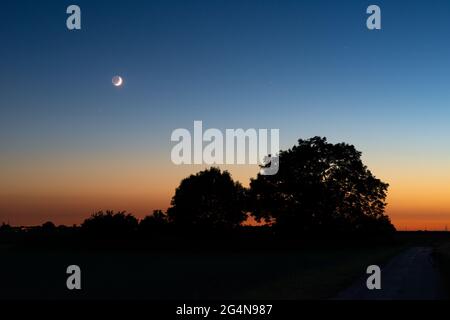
x,y
305,67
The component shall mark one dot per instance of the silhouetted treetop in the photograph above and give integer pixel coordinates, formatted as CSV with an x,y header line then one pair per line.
x,y
209,198
4,227
321,186
154,222
110,222
48,226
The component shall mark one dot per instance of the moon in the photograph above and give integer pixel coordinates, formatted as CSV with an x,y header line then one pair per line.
x,y
117,81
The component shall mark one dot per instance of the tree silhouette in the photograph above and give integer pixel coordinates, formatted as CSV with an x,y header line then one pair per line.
x,y
209,198
5,230
5,227
158,220
48,227
321,187
110,223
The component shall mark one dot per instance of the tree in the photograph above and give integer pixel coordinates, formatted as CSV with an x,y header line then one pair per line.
x,y
5,227
110,223
155,222
209,198
321,187
48,227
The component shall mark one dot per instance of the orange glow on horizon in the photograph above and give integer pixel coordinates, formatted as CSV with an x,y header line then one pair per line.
x,y
68,190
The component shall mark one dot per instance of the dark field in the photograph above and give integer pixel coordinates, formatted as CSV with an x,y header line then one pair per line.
x,y
318,273
285,275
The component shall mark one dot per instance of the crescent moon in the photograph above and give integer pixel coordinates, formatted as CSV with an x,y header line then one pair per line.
x,y
117,81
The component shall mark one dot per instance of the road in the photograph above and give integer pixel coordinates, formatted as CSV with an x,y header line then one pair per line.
x,y
412,275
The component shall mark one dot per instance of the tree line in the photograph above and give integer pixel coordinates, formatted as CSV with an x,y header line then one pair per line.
x,y
320,188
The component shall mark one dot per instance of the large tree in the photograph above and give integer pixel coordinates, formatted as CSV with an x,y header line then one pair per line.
x,y
321,186
209,198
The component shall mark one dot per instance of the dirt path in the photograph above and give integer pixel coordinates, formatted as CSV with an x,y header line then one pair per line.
x,y
411,275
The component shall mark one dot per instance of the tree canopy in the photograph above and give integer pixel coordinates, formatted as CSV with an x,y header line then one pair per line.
x,y
209,198
110,223
321,186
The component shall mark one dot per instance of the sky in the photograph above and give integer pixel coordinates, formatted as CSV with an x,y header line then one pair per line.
x,y
71,143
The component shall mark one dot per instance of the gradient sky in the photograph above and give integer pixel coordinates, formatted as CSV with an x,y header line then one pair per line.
x,y
72,144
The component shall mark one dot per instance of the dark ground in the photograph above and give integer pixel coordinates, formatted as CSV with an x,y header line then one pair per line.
x,y
174,275
315,273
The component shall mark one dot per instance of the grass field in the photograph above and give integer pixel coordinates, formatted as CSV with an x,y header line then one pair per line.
x,y
312,274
